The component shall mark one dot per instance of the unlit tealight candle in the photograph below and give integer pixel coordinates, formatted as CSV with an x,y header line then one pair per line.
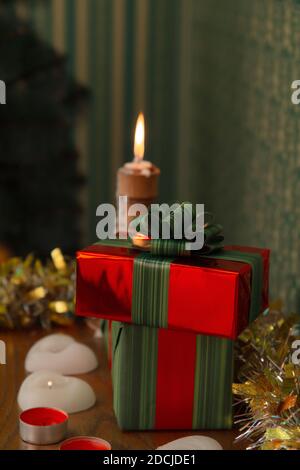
x,y
192,443
60,353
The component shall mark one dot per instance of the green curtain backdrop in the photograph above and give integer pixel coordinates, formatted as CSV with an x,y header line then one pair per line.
x,y
214,80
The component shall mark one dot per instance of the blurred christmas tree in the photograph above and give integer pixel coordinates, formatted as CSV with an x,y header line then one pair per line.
x,y
39,181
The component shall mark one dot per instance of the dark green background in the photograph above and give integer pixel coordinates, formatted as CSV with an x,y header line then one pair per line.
x,y
216,86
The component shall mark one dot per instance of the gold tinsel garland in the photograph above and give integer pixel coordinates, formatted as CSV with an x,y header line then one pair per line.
x,y
32,292
268,395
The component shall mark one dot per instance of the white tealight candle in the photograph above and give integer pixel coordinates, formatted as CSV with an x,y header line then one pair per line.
x,y
192,443
60,353
52,390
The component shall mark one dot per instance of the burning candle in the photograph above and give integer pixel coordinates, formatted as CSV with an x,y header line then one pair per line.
x,y
43,426
85,443
138,180
49,389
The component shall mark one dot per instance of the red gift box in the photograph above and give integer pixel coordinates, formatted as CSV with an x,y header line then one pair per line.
x,y
205,295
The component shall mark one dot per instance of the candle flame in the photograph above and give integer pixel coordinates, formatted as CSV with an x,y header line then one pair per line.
x,y
139,138
50,383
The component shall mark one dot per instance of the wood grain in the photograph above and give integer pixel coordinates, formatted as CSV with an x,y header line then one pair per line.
x,y
98,421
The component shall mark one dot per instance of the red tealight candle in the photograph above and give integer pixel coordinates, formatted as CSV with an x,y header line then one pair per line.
x,y
43,426
85,443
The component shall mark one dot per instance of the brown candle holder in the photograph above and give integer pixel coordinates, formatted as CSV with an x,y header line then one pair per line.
x,y
140,187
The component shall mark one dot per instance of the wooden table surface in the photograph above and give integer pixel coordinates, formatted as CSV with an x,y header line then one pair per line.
x,y
98,421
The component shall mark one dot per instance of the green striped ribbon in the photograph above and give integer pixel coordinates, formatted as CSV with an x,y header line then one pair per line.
x,y
213,383
168,247
150,290
135,373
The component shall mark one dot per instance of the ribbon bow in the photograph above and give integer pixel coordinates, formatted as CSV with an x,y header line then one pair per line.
x,y
173,221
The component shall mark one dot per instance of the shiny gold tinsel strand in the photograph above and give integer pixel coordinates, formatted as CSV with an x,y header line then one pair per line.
x,y
268,392
35,293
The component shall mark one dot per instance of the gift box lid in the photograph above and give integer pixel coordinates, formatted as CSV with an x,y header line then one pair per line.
x,y
215,295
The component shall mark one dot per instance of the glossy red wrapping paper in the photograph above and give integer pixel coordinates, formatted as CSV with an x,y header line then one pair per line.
x,y
206,296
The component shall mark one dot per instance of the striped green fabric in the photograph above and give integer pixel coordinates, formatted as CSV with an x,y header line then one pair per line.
x,y
213,382
150,290
134,375
168,247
